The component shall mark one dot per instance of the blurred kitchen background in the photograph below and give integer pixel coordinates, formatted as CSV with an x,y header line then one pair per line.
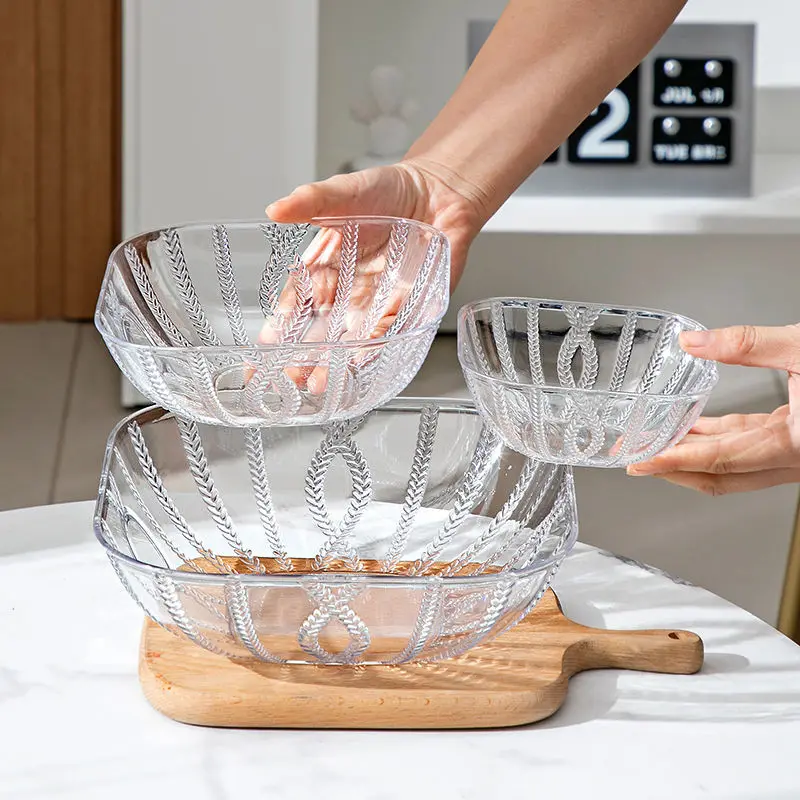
x,y
119,117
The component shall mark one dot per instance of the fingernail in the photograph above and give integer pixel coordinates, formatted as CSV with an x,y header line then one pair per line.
x,y
696,338
274,203
644,468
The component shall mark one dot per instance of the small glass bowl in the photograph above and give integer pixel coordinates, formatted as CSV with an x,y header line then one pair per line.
x,y
582,384
409,534
262,323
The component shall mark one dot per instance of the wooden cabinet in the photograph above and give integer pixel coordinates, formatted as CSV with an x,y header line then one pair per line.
x,y
59,154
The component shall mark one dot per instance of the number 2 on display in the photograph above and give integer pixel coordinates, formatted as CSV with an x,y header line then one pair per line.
x,y
610,134
595,143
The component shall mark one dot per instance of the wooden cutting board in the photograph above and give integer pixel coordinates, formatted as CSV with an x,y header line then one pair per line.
x,y
519,678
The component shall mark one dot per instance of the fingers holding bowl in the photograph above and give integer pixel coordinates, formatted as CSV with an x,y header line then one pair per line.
x,y
719,485
752,450
346,291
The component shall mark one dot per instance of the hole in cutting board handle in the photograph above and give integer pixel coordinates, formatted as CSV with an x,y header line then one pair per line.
x,y
673,635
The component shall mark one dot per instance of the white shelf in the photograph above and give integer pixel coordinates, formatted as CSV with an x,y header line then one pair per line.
x,y
773,208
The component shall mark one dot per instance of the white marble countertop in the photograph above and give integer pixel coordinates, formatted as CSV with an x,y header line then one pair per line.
x,y
74,724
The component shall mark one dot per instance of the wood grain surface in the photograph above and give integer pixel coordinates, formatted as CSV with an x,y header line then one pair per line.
x,y
518,678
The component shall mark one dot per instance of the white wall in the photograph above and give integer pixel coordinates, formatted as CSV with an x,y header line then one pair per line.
x,y
427,39
777,53
219,109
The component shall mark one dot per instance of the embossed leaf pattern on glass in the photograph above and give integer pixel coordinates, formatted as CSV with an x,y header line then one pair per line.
x,y
244,324
584,385
308,544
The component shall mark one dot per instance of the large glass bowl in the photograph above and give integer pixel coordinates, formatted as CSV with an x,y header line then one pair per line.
x,y
582,384
254,323
409,534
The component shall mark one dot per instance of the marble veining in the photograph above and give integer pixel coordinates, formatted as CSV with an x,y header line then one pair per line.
x,y
646,567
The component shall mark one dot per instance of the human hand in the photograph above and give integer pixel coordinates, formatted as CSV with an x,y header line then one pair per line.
x,y
408,189
739,452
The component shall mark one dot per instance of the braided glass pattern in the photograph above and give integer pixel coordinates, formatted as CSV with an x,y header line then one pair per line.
x,y
584,385
408,533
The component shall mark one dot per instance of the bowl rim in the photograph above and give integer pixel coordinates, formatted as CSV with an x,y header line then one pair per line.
x,y
407,404
524,302
348,344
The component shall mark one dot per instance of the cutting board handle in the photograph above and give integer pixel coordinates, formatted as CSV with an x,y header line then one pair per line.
x,y
673,652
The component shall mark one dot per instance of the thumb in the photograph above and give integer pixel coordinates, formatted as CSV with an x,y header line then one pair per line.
x,y
747,346
370,191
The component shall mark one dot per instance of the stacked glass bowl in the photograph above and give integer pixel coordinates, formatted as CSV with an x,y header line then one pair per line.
x,y
280,503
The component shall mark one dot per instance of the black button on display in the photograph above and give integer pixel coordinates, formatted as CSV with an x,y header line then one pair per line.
x,y
693,141
693,82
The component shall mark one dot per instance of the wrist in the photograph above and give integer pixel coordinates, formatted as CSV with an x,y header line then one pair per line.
x,y
438,176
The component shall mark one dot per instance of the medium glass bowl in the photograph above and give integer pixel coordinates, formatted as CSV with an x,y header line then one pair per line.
x,y
254,323
409,534
582,384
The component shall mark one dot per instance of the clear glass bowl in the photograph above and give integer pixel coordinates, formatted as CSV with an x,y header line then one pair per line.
x,y
582,384
254,323
411,533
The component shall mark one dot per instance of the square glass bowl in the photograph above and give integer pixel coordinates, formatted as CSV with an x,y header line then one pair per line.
x,y
582,384
411,533
262,323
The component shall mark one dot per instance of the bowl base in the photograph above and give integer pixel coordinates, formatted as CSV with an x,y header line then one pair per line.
x,y
518,678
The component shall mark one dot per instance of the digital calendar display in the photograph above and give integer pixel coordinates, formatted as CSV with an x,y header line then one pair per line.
x,y
680,124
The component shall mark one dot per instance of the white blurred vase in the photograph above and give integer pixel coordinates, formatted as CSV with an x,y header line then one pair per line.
x,y
385,112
